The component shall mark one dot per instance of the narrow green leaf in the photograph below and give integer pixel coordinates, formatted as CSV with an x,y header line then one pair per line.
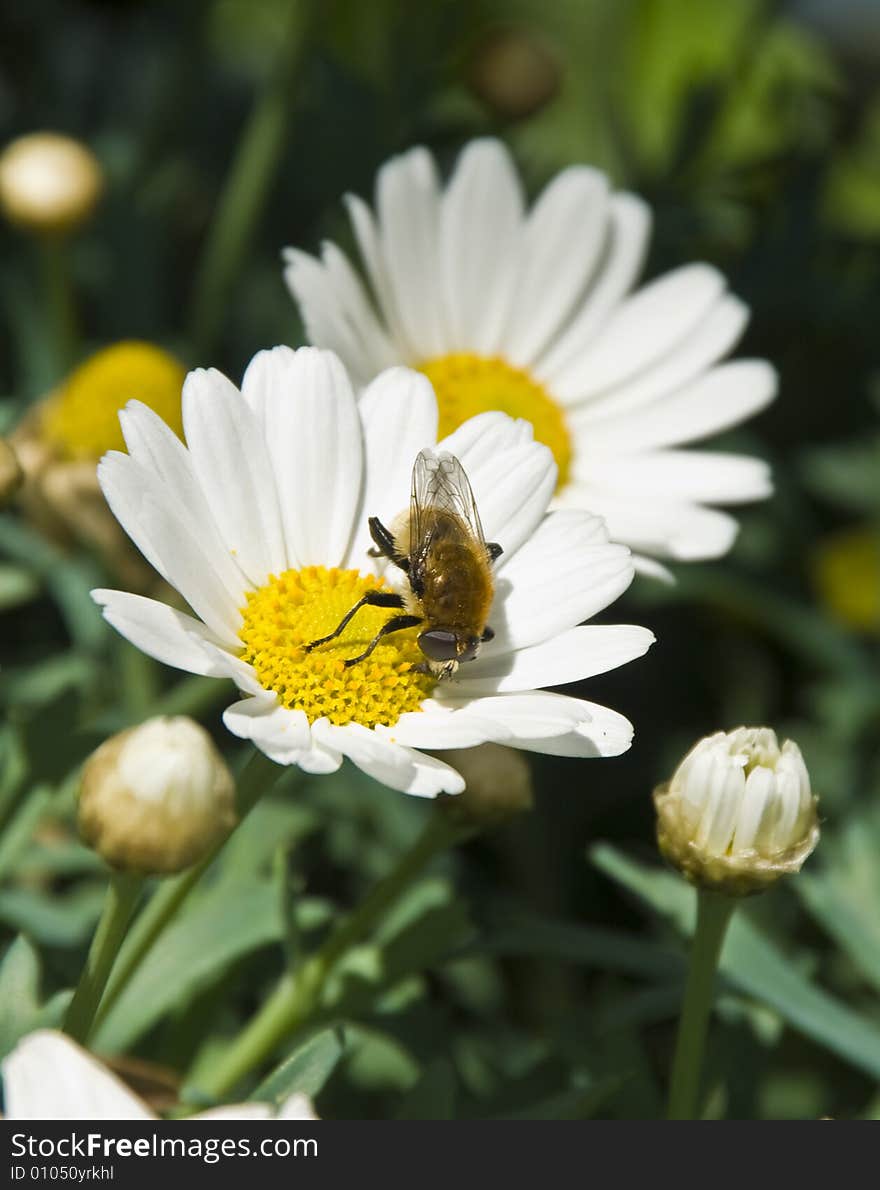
x,y
19,992
753,964
306,1070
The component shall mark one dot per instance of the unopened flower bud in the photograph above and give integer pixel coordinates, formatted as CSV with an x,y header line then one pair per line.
x,y
156,798
514,73
738,813
498,785
11,474
49,183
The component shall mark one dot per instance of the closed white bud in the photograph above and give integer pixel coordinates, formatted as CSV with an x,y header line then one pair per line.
x,y
156,798
49,183
738,812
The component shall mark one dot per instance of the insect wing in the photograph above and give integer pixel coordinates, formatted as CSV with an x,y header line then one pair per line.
x,y
439,484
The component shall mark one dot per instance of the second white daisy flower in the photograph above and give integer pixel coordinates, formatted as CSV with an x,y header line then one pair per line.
x,y
260,523
533,312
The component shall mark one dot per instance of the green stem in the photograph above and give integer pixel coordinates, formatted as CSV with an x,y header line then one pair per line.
x,y
122,897
298,995
250,177
257,776
60,305
714,911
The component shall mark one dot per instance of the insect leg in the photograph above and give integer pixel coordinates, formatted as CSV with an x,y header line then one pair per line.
x,y
395,624
371,599
385,545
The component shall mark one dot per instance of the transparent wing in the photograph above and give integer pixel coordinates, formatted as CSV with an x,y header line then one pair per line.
x,y
439,484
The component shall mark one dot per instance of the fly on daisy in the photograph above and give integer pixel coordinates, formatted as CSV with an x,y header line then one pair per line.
x,y
533,312
261,523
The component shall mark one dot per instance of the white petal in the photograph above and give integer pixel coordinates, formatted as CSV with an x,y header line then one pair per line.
x,y
562,239
395,766
399,415
367,236
651,568
161,632
704,345
48,1077
629,228
481,222
296,1107
439,726
577,653
563,574
604,733
671,528
314,436
512,476
280,733
689,475
336,311
537,714
206,577
230,458
408,208
719,399
641,331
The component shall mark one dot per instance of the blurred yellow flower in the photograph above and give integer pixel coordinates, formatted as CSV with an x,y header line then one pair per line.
x,y
846,570
81,417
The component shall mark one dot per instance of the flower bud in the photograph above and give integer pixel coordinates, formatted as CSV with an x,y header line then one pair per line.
x,y
514,73
156,798
49,183
738,812
11,474
498,785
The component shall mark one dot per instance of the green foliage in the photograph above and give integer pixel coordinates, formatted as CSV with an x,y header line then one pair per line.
x,y
511,980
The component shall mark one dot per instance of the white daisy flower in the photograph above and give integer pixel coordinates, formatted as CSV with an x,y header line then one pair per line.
x,y
261,524
49,1077
533,312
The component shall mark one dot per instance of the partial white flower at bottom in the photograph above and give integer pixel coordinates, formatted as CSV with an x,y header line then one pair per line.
x,y
49,1077
738,812
260,523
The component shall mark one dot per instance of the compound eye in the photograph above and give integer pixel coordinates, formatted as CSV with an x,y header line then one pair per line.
x,y
439,645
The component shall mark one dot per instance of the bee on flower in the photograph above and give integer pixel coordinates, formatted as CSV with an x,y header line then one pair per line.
x,y
262,523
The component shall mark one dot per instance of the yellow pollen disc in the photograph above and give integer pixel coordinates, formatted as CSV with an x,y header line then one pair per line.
x,y
299,606
81,417
468,384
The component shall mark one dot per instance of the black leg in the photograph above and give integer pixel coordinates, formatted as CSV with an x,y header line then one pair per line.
x,y
488,634
385,545
371,599
395,624
494,550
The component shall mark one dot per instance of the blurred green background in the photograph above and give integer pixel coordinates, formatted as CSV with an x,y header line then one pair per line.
x,y
535,975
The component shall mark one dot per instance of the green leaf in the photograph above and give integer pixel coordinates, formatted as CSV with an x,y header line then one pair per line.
x,y
433,1096
306,1070
754,965
53,920
197,949
19,992
17,586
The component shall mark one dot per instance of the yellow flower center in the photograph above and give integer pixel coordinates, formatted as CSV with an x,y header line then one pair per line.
x,y
300,606
82,417
468,384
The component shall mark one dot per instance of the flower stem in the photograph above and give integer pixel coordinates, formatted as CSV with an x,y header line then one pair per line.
x,y
119,906
714,911
60,306
298,994
258,775
247,186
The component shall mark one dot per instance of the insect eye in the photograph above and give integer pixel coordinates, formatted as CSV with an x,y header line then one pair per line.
x,y
439,645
